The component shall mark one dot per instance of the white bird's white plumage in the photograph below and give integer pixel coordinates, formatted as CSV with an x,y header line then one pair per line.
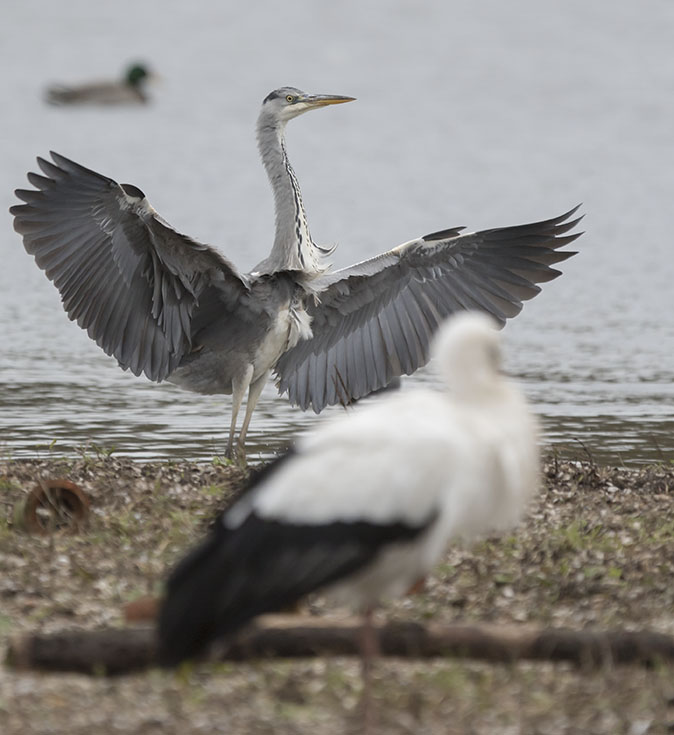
x,y
414,470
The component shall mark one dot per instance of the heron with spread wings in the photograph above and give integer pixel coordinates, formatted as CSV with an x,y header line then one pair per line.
x,y
175,309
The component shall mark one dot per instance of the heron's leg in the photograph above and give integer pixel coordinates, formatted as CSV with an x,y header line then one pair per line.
x,y
239,387
253,396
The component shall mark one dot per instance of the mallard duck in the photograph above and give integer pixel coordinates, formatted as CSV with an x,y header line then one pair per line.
x,y
130,90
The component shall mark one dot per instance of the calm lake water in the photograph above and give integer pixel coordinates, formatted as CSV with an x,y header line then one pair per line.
x,y
469,113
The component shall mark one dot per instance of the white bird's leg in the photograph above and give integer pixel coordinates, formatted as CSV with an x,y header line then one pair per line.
x,y
239,387
369,650
254,393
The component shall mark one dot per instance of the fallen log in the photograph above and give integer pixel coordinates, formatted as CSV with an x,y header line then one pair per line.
x,y
124,650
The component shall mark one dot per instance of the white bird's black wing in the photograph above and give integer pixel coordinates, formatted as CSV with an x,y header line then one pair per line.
x,y
375,319
262,566
123,273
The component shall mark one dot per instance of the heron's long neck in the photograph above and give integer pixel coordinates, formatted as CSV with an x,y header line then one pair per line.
x,y
293,247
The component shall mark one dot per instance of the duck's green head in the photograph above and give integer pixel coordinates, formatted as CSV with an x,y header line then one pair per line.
x,y
136,74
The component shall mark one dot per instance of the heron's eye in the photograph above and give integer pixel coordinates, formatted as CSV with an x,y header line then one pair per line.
x,y
289,98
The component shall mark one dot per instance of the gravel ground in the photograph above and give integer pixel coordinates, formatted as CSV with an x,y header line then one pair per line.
x,y
596,550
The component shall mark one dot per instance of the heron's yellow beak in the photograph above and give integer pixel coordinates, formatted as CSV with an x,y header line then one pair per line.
x,y
320,100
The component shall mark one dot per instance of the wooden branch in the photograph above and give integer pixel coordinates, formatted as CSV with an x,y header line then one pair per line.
x,y
122,650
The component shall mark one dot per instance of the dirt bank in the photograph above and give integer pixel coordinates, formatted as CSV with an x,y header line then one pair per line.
x,y
597,549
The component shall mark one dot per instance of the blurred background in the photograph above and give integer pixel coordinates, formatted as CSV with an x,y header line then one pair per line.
x,y
476,113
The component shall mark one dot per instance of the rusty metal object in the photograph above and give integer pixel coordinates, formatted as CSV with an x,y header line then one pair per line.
x,y
142,609
51,506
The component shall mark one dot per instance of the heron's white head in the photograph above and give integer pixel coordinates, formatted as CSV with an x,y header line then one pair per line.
x,y
468,354
285,103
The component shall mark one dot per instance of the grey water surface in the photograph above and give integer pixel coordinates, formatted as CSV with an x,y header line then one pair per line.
x,y
469,113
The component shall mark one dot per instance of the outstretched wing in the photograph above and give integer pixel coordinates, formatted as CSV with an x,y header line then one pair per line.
x,y
375,319
123,273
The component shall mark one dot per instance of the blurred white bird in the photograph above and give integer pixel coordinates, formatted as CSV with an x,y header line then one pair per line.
x,y
364,507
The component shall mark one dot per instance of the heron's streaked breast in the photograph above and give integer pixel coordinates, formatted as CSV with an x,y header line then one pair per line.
x,y
291,324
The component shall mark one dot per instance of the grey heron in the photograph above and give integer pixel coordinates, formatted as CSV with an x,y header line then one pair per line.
x,y
365,506
129,90
175,309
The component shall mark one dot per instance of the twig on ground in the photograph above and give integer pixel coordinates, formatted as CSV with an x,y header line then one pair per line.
x,y
122,650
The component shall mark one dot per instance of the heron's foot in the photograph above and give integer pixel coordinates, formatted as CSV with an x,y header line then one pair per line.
x,y
236,453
